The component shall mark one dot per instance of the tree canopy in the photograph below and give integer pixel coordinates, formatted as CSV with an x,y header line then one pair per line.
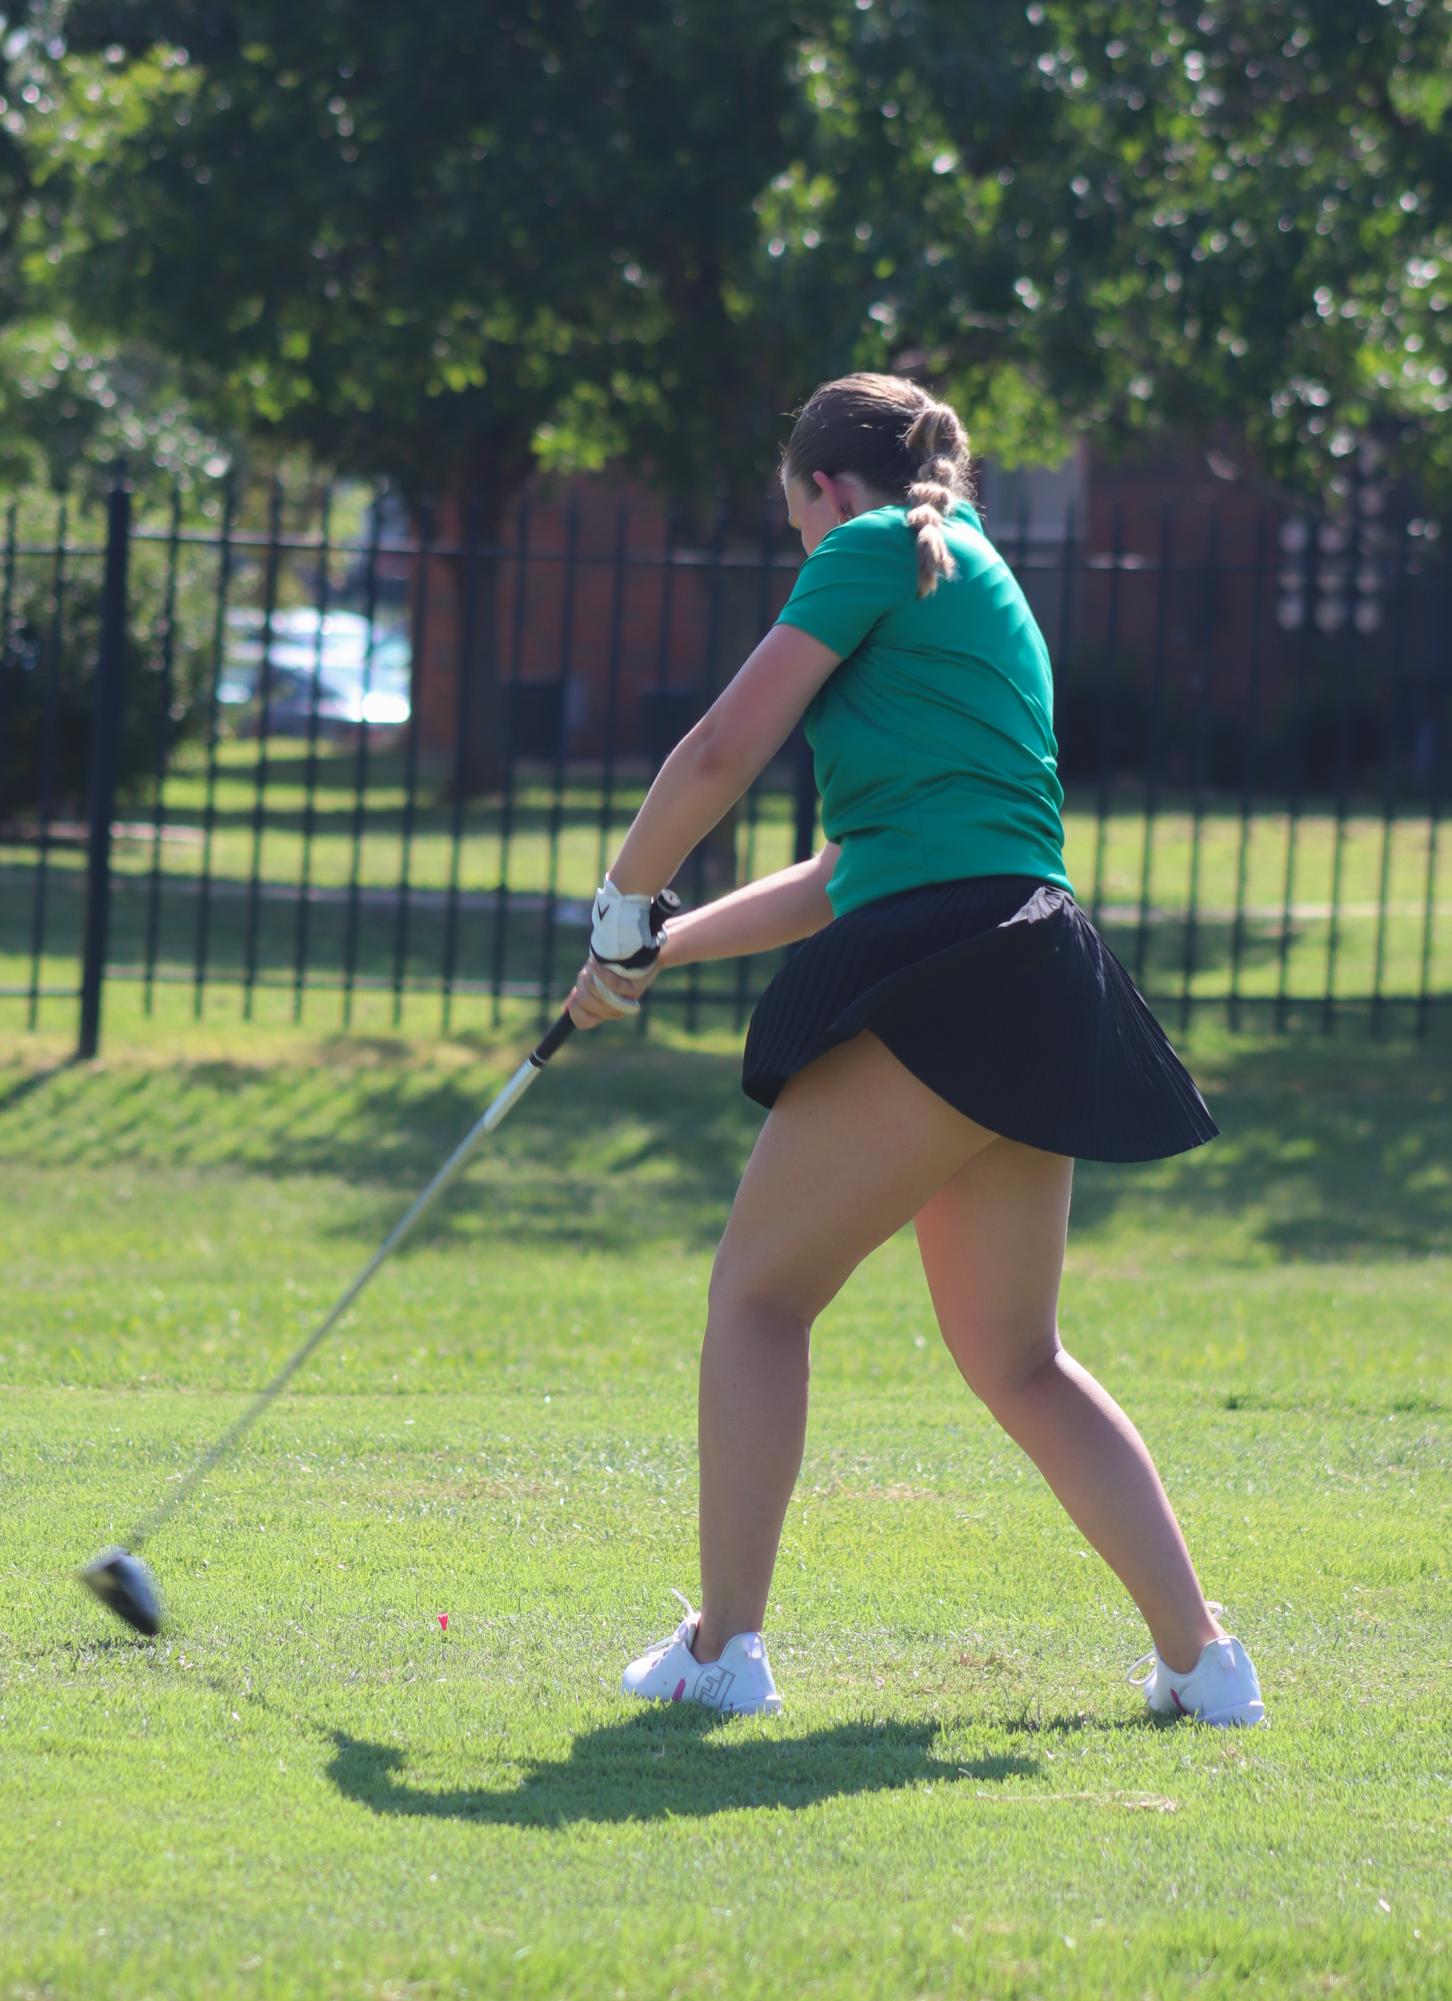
x,y
447,248
1149,216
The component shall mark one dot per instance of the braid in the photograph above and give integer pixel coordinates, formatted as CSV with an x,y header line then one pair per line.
x,y
935,440
900,443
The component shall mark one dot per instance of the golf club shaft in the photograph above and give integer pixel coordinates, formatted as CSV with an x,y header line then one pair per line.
x,y
513,1091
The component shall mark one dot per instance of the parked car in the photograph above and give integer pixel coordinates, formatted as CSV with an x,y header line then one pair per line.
x,y
330,670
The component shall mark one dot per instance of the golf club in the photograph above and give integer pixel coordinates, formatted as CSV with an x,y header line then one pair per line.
x,y
118,1576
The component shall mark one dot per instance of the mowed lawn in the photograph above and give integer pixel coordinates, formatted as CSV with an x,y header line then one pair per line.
x,y
307,1787
1324,902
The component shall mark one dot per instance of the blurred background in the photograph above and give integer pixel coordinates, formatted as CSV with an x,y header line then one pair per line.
x,y
389,418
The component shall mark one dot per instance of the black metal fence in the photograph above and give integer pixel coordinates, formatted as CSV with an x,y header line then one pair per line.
x,y
256,748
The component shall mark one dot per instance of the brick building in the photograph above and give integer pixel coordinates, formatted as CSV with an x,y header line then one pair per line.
x,y
1169,597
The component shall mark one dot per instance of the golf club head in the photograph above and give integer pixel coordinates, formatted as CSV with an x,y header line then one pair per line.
x,y
123,1583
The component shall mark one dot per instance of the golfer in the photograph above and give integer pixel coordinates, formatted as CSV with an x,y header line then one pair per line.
x,y
951,1037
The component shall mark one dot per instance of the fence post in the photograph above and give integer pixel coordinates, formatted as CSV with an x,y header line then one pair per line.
x,y
804,799
106,710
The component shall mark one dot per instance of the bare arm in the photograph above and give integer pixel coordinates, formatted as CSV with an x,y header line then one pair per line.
x,y
699,782
777,910
714,763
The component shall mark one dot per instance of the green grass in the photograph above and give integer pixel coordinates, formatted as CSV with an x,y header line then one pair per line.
x,y
1364,865
306,1789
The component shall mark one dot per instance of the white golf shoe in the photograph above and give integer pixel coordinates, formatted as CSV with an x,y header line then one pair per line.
x,y
738,1684
1220,1688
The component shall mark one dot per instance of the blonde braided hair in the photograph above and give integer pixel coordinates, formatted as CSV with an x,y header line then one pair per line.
x,y
937,442
901,443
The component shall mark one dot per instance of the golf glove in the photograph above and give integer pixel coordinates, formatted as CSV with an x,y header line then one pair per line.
x,y
626,934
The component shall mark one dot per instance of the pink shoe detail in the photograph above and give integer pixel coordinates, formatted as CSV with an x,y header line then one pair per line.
x,y
680,1689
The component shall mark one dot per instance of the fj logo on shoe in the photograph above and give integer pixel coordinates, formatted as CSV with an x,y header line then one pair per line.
x,y
712,1687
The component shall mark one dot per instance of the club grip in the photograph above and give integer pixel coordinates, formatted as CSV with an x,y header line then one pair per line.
x,y
558,1036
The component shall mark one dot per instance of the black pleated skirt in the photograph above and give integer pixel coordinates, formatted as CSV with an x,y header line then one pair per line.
x,y
999,994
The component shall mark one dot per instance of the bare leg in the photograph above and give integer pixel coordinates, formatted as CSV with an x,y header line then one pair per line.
x,y
851,1151
992,1244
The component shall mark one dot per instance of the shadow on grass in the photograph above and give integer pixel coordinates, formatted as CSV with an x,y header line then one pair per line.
x,y
648,1141
672,1763
1336,1146
81,1653
1333,1148
26,1087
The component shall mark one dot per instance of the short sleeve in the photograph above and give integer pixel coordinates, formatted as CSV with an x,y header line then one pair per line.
x,y
855,574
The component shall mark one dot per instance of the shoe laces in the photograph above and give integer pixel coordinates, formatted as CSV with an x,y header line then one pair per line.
x,y
1151,1661
659,1647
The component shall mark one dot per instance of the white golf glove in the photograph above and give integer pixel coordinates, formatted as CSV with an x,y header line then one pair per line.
x,y
626,935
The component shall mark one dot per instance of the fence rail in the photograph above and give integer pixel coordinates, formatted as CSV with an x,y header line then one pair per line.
x,y
268,746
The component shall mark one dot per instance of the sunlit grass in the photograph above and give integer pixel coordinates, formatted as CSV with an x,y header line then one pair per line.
x,y
306,1788
1205,906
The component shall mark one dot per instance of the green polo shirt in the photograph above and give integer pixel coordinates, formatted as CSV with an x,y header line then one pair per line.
x,y
934,739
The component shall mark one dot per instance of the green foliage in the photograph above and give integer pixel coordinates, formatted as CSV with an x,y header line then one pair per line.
x,y
561,232
49,639
70,407
1142,217
13,176
69,404
413,267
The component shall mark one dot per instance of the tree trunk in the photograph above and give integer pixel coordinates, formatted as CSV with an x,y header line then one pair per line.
x,y
458,686
479,743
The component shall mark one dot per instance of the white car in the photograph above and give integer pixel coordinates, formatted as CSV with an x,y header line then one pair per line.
x,y
320,666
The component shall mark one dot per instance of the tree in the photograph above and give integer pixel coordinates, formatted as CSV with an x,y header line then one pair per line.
x,y
445,269
556,228
1144,218
435,258
13,177
551,231
69,403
